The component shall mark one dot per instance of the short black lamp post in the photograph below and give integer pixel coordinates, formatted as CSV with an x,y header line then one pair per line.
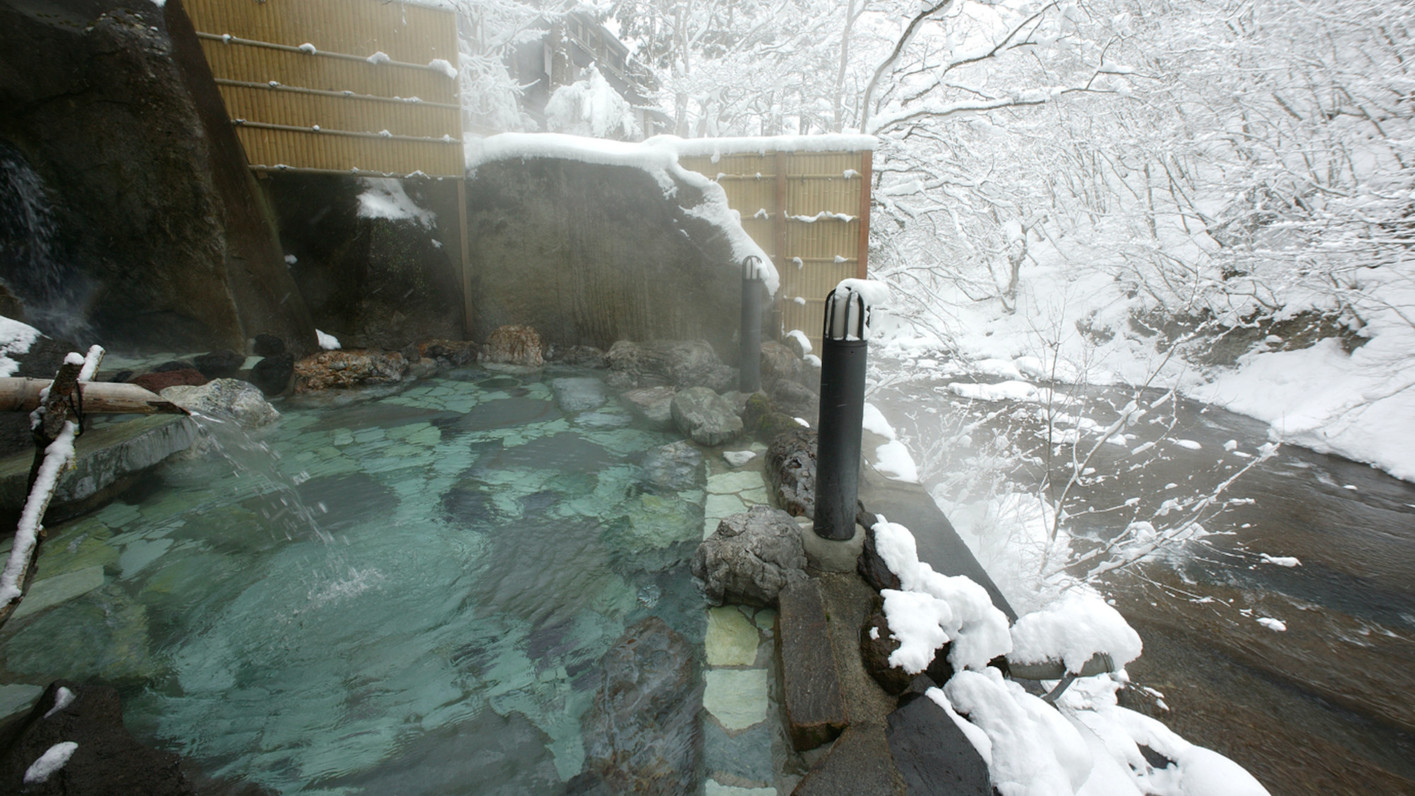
x,y
842,410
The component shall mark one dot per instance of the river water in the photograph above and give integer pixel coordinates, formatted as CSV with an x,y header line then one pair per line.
x,y
1322,700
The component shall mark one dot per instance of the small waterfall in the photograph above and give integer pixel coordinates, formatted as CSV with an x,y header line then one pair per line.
x,y
33,264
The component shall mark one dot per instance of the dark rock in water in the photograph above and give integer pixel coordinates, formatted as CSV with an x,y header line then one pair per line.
x,y
652,404
683,363
272,374
267,345
467,504
344,501
578,394
176,364
220,364
514,344
107,759
347,369
705,416
795,400
751,557
490,753
871,566
763,421
674,468
642,733
159,381
584,356
457,353
791,471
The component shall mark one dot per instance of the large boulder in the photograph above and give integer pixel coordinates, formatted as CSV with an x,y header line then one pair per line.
x,y
706,417
751,557
226,398
591,253
642,733
677,363
517,345
654,405
791,471
378,279
155,234
346,369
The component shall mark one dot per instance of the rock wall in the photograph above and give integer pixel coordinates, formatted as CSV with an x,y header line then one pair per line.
x,y
591,254
151,205
372,282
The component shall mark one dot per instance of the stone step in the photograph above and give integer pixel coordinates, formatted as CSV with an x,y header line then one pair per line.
x,y
811,693
105,456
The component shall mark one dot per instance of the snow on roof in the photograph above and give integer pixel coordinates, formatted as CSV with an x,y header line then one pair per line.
x,y
658,156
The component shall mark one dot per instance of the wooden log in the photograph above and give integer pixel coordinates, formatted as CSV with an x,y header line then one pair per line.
x,y
99,397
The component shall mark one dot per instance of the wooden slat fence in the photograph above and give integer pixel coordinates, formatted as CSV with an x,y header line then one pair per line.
x,y
304,84
810,211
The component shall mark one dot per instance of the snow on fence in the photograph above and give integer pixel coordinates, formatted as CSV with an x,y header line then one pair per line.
x,y
337,85
806,202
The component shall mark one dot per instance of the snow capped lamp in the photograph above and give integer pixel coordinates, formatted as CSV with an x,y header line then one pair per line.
x,y
844,346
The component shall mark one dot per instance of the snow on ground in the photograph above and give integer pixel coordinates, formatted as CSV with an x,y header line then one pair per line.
x,y
1359,405
891,458
15,338
658,156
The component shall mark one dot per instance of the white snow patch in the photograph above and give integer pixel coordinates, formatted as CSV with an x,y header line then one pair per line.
x,y
379,57
327,341
63,698
738,458
1072,630
590,106
1281,561
1276,625
15,338
53,759
385,198
444,66
801,339
931,608
893,460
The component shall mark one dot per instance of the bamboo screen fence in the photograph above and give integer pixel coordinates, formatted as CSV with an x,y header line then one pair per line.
x,y
809,210
345,86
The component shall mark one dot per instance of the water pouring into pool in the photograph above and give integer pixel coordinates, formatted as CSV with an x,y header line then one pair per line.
x,y
401,594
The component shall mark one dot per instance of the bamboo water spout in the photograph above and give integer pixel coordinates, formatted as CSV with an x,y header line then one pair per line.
x,y
23,395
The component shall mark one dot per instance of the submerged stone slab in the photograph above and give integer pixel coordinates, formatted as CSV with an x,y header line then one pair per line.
x,y
739,758
50,592
812,699
731,638
737,698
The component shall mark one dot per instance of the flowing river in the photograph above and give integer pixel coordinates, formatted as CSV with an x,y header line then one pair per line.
x,y
1284,638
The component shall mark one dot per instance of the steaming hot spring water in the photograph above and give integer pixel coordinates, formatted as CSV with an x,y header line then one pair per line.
x,y
400,594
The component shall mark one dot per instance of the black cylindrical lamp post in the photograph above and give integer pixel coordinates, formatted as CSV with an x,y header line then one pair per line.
x,y
750,366
842,411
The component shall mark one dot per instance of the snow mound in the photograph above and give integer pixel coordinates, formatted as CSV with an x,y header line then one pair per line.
x,y
1072,631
